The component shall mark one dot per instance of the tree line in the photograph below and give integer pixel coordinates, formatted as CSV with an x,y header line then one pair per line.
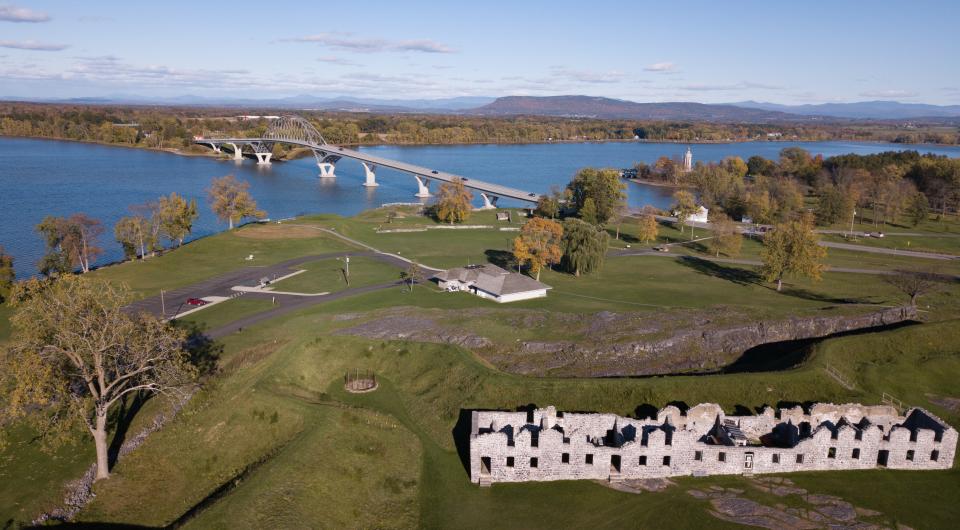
x,y
73,242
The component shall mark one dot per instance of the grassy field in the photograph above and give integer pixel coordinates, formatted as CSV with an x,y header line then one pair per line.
x,y
944,244
326,276
275,432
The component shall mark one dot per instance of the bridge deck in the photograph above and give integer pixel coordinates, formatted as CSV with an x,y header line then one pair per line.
x,y
330,149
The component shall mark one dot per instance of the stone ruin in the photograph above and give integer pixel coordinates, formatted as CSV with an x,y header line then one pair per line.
x,y
544,444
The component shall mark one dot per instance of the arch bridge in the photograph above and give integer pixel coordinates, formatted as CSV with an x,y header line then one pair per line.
x,y
296,130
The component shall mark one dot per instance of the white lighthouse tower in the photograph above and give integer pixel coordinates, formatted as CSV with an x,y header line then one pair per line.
x,y
688,161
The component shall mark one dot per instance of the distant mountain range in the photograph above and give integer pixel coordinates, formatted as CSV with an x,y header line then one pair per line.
x,y
560,106
877,110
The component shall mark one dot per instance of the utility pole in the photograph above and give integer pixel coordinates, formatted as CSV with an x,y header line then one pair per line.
x,y
163,306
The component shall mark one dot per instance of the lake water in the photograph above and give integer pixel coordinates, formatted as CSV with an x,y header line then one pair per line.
x,y
44,177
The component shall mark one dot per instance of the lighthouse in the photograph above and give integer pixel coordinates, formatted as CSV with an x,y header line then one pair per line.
x,y
688,161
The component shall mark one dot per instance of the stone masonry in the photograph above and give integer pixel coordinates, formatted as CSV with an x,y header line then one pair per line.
x,y
545,444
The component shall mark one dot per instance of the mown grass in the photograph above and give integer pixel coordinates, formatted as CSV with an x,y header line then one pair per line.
x,y
944,244
327,276
227,311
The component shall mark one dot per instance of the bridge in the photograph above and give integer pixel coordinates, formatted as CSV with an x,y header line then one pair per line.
x,y
296,130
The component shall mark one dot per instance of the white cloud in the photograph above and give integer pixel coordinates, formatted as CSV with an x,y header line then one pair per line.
x,y
336,60
32,45
743,85
663,68
10,13
587,76
346,41
889,94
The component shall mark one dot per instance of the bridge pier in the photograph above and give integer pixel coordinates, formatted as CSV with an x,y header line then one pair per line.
x,y
216,148
370,170
423,183
489,201
263,158
326,170
237,151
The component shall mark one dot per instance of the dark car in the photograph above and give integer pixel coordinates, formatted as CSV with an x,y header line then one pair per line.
x,y
434,171
196,301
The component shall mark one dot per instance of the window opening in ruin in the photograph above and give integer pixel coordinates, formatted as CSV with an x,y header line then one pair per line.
x,y
882,456
668,438
614,463
666,460
834,434
565,458
534,439
938,436
566,440
722,456
748,461
858,435
832,452
800,459
643,460
484,465
530,416
910,455
856,453
509,461
534,462
589,459
698,455
934,455
913,436
776,458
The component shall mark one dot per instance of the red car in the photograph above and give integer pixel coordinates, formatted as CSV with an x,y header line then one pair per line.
x,y
196,301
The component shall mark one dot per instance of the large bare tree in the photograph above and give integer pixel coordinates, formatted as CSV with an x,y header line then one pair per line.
x,y
916,283
77,354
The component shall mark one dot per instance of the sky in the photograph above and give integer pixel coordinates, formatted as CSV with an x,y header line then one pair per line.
x,y
710,51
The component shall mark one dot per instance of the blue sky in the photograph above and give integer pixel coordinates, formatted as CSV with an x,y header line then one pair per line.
x,y
785,52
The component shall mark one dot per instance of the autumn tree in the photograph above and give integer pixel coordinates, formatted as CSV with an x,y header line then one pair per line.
x,y
134,233
918,208
539,244
603,186
726,237
412,275
77,355
230,199
7,274
549,205
792,248
684,206
584,247
915,283
453,202
176,217
588,213
72,242
647,228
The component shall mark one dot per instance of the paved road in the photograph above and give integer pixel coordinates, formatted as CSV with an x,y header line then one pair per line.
x,y
175,301
888,251
735,261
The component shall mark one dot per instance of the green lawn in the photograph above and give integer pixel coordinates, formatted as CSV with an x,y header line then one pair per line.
x,y
327,276
944,244
222,313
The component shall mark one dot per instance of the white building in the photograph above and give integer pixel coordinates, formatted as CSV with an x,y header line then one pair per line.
x,y
700,217
491,282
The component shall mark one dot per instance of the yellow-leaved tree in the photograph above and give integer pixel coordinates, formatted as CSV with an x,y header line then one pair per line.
x,y
539,244
453,202
792,248
77,354
230,199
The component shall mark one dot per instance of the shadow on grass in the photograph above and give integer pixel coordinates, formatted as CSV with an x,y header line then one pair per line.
x,y
736,275
819,297
204,351
123,419
500,258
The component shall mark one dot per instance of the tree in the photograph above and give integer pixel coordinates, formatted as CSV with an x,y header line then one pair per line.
x,y
230,199
411,276
133,232
726,238
77,354
453,202
684,206
915,283
647,228
834,206
584,247
71,242
918,208
176,217
547,206
603,186
7,274
539,244
792,248
588,213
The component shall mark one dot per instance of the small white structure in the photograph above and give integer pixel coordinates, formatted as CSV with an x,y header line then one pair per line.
x,y
700,217
491,282
688,161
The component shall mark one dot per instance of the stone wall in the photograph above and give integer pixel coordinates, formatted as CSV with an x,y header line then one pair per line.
x,y
544,444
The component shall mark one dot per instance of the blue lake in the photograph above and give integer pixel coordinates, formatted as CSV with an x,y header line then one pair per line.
x,y
44,177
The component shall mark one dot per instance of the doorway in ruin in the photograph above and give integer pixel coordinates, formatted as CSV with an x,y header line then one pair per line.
x,y
485,465
748,461
614,463
882,457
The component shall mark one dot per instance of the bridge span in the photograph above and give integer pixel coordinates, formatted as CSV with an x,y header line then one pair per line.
x,y
298,131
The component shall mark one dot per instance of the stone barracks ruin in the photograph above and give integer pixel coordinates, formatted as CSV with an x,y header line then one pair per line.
x,y
544,444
